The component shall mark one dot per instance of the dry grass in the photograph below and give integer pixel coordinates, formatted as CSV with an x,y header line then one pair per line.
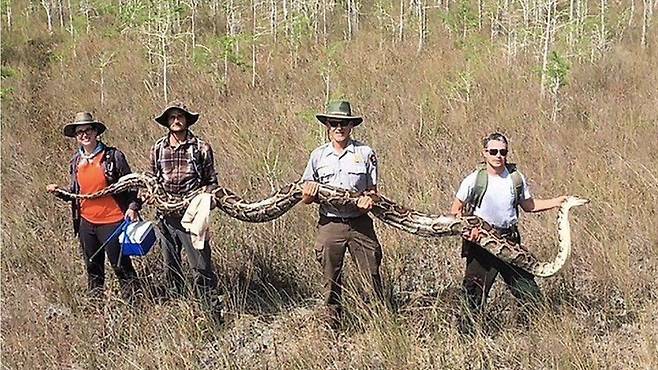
x,y
600,309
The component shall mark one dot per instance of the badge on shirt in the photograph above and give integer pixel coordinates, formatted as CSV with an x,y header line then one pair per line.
x,y
358,158
373,159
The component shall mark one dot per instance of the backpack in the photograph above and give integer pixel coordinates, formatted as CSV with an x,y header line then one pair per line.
x,y
476,195
194,152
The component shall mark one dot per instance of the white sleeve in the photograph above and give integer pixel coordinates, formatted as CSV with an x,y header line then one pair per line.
x,y
309,172
526,189
466,187
372,169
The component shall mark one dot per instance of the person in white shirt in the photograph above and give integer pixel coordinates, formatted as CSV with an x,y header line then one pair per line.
x,y
494,193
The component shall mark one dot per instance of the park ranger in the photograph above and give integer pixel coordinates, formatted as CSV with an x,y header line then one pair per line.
x,y
351,165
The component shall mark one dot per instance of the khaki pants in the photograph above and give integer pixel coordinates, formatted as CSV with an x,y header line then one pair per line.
x,y
335,236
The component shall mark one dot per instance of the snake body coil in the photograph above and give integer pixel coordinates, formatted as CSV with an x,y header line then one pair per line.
x,y
408,220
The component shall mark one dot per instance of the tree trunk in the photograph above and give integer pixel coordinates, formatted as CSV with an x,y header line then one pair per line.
x,y
273,20
165,67
8,14
286,26
253,43
349,20
102,86
602,36
546,48
60,7
401,22
324,22
645,22
46,7
422,24
480,15
193,5
70,10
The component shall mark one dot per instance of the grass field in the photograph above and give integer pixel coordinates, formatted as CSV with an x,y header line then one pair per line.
x,y
592,132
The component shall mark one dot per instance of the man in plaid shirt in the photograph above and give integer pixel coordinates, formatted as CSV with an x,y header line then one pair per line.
x,y
182,162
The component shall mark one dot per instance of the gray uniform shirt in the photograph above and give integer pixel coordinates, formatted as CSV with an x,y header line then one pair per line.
x,y
355,169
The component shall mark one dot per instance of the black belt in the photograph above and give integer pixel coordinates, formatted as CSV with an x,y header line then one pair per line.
x,y
343,220
506,230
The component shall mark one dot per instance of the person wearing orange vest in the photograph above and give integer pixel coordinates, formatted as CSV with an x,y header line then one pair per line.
x,y
93,167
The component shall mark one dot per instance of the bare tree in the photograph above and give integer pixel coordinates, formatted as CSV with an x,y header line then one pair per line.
x,y
324,22
286,25
550,19
60,9
273,20
47,6
480,11
646,17
104,60
401,22
7,5
253,42
85,8
193,5
421,13
602,35
70,12
349,19
159,38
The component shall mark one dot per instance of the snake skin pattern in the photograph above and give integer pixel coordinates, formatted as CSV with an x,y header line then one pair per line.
x,y
414,222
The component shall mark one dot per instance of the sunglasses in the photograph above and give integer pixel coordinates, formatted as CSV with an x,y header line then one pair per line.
x,y
85,131
494,152
339,123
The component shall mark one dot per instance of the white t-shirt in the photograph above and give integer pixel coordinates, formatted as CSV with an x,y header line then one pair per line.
x,y
497,207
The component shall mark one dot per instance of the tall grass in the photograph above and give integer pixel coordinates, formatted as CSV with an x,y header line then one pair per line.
x,y
425,113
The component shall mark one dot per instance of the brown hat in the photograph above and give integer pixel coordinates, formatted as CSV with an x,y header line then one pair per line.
x,y
162,119
83,118
340,110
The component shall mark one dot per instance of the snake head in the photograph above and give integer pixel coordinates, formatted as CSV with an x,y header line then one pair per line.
x,y
574,201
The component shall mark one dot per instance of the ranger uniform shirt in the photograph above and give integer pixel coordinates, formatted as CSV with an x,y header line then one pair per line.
x,y
183,168
497,206
355,169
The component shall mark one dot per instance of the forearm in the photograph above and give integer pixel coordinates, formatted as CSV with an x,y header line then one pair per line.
x,y
545,204
307,199
457,207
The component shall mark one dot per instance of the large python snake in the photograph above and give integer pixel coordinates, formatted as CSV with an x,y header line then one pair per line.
x,y
388,211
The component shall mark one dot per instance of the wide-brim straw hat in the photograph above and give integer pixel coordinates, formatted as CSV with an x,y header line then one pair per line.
x,y
192,117
340,110
83,118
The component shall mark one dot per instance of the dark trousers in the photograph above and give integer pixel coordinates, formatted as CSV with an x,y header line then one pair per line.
x,y
92,236
174,239
482,268
335,237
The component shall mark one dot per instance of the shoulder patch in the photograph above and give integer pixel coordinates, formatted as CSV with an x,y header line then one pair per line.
x,y
373,159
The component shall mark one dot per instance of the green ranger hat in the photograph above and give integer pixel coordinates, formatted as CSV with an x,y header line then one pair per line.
x,y
340,110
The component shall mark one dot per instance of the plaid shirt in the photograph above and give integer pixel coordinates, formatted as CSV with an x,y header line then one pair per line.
x,y
178,170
